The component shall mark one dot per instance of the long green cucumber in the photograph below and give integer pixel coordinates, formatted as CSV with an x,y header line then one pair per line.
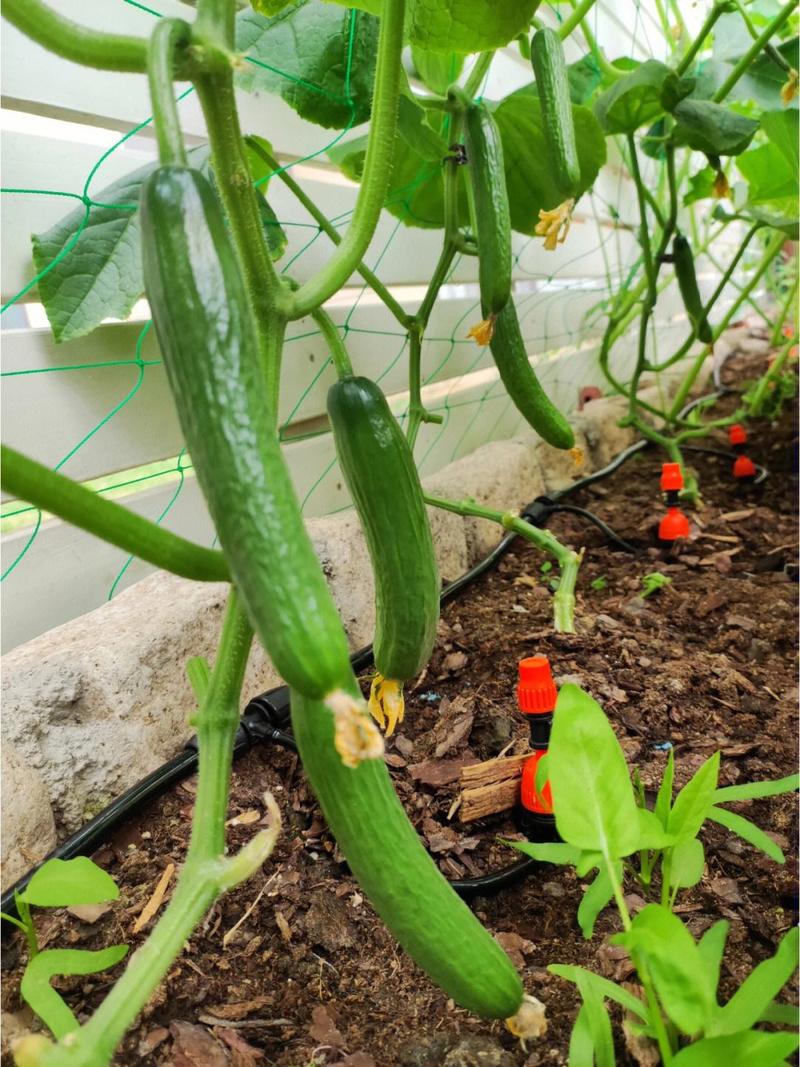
x,y
380,472
433,925
492,215
207,339
552,86
522,385
683,261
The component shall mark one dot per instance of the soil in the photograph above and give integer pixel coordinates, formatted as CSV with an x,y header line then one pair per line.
x,y
293,968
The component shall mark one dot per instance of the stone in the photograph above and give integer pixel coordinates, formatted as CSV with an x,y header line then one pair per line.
x,y
476,1050
598,425
28,829
561,468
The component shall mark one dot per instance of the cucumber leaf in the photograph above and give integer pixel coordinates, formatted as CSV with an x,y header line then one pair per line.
x,y
60,883
634,100
413,127
317,57
436,70
711,128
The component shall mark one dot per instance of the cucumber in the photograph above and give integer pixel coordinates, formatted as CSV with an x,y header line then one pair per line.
x,y
552,86
380,472
522,385
422,911
492,216
207,339
683,261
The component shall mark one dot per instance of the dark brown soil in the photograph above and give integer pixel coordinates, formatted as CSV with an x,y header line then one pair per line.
x,y
293,968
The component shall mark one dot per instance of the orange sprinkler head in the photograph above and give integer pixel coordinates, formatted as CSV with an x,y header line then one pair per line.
x,y
674,526
536,692
737,435
744,468
671,477
530,797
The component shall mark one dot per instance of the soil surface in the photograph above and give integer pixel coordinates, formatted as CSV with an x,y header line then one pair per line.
x,y
293,968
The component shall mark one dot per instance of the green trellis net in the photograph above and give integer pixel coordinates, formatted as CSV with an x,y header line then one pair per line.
x,y
556,324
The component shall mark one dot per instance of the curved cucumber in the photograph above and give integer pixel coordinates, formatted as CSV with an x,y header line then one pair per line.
x,y
552,86
206,334
382,477
433,925
492,216
522,385
683,261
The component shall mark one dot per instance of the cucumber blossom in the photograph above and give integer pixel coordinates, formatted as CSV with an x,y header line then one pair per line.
x,y
683,261
207,338
552,86
380,472
492,216
522,385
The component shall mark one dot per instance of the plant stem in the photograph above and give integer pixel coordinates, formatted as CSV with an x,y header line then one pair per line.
x,y
377,168
52,492
783,314
339,354
770,49
598,54
745,61
577,16
216,19
239,198
327,227
760,393
568,560
473,81
716,11
104,51
206,873
168,36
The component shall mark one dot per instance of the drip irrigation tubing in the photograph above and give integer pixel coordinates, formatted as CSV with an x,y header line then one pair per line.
x,y
266,718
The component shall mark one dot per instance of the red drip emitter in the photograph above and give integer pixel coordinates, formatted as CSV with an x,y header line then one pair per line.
x,y
536,696
674,526
743,467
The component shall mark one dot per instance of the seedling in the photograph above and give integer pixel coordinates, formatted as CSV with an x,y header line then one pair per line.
x,y
599,583
58,884
652,582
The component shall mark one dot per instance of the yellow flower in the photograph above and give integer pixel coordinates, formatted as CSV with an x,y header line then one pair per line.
x,y
554,225
356,737
483,332
721,187
789,88
386,703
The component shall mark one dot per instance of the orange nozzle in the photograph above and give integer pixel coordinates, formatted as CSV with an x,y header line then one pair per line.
x,y
671,477
530,797
673,526
536,692
744,468
737,435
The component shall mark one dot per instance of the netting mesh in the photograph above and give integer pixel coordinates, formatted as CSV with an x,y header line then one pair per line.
x,y
560,307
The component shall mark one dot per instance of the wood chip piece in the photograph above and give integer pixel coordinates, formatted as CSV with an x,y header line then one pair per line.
x,y
247,818
241,1009
156,899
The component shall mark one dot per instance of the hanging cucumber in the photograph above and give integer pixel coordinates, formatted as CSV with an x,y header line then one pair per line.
x,y
382,477
552,86
522,385
492,216
207,339
433,925
683,261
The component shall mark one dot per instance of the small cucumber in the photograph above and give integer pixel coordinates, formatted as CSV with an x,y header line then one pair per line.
x,y
380,472
547,57
522,385
432,924
207,339
683,261
492,216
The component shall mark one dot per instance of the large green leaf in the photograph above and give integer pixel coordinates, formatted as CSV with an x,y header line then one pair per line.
x,y
530,170
660,939
748,1048
60,883
436,70
46,1002
316,56
635,99
417,132
762,81
757,991
712,128
592,793
91,260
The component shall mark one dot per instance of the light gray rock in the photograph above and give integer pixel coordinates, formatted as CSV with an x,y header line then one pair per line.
x,y
598,424
28,830
560,468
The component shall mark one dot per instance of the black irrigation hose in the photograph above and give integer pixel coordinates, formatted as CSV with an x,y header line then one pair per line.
x,y
266,718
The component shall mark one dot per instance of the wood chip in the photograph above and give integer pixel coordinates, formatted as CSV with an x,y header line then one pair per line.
x,y
737,516
247,818
155,901
283,925
89,913
493,770
230,933
241,1009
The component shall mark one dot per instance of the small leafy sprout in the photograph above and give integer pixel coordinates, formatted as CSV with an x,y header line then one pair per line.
x,y
546,567
61,883
600,583
652,582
